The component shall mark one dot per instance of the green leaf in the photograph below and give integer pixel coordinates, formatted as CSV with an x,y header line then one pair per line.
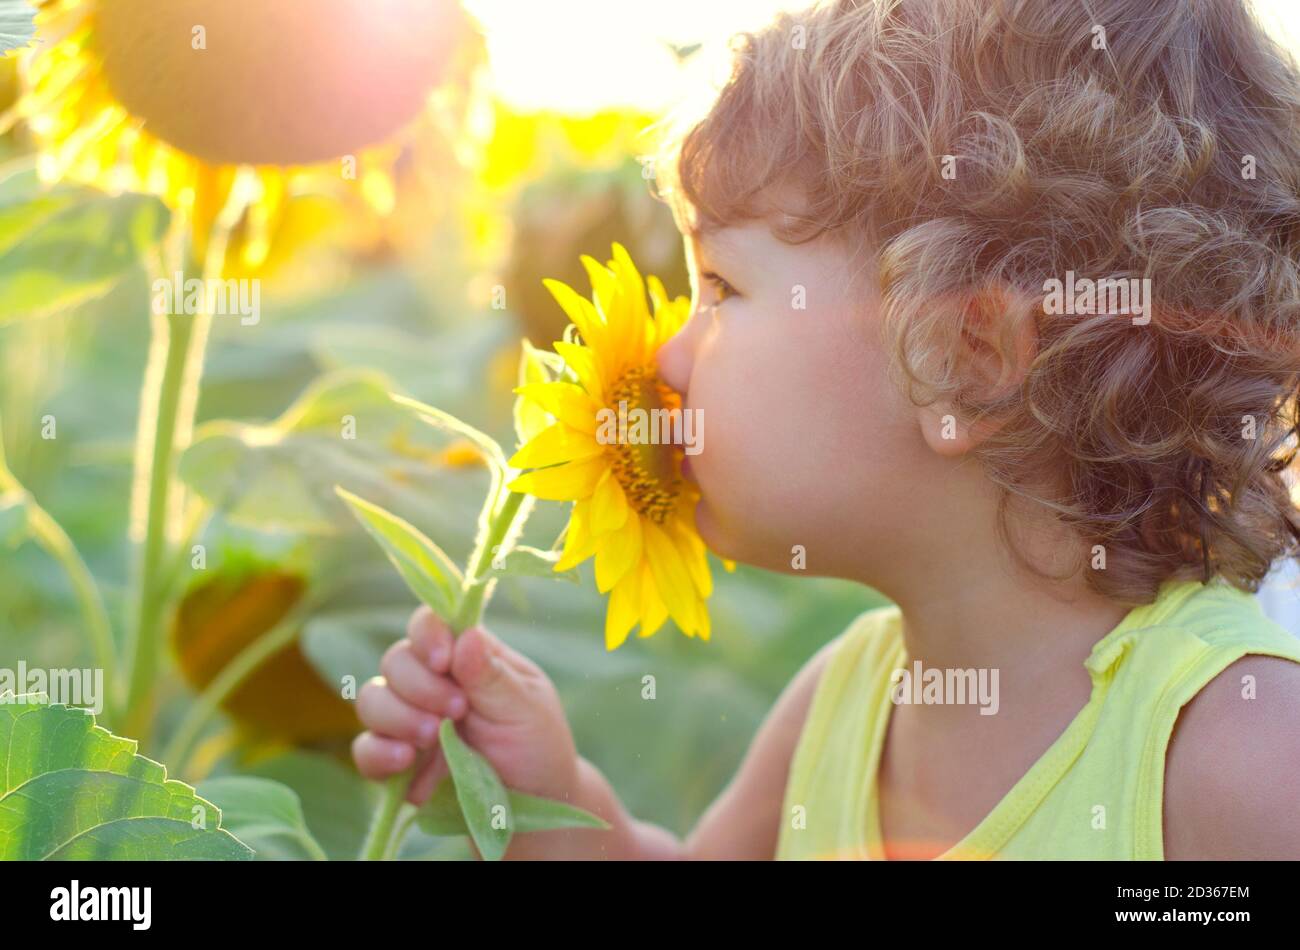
x,y
337,802
547,814
439,365
14,526
16,26
265,815
281,475
441,815
488,447
427,570
484,801
61,248
444,420
71,790
524,561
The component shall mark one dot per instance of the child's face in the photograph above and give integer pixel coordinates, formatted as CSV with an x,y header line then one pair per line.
x,y
805,440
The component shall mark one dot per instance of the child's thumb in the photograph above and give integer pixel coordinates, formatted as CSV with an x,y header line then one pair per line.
x,y
481,666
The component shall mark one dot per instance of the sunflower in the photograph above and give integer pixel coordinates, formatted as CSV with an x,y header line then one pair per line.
x,y
633,511
242,110
257,122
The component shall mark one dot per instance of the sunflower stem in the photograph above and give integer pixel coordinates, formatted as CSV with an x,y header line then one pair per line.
x,y
49,534
474,593
168,401
381,842
248,660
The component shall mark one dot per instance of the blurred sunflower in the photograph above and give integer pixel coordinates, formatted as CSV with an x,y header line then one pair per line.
x,y
284,699
632,509
236,110
262,124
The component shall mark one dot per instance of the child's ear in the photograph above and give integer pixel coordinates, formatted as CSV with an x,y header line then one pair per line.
x,y
995,346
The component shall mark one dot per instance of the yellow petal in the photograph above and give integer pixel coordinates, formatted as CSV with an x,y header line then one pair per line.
x,y
553,445
658,296
578,309
672,579
566,401
653,611
622,613
211,192
695,557
626,314
630,280
578,542
625,341
669,319
702,615
618,553
604,285
608,505
582,360
567,482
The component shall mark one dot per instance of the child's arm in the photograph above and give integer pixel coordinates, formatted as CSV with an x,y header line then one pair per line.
x,y
507,708
1232,768
741,824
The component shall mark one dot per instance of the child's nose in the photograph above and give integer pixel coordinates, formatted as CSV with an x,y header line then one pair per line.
x,y
674,359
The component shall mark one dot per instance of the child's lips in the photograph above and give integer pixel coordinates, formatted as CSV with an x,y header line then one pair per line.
x,y
686,468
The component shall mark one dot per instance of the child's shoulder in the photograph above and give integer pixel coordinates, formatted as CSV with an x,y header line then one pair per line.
x,y
849,662
1232,772
1191,632
1232,765
856,649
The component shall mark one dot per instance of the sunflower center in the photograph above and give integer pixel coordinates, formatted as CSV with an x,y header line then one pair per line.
x,y
646,469
278,83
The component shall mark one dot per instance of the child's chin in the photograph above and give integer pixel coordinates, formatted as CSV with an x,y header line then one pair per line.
x,y
727,544
706,523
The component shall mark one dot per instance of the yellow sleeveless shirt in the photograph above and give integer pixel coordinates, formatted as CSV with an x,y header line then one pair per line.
x,y
1096,793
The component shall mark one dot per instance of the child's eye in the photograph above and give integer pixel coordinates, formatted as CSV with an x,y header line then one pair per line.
x,y
721,288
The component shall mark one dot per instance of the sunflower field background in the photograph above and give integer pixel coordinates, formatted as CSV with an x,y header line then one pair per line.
x,y
411,263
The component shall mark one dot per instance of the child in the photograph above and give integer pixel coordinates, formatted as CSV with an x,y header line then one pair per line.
x,y
997,310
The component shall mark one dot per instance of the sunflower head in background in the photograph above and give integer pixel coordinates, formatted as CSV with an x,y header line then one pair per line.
x,y
284,700
234,110
633,511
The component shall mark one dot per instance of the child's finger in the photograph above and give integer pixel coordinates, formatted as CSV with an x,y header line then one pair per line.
x,y
427,778
413,681
384,712
379,756
431,638
493,684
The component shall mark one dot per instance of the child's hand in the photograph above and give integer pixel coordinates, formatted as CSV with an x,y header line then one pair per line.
x,y
503,704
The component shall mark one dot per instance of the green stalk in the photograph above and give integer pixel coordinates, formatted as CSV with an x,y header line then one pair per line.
x,y
168,401
167,405
378,845
56,542
477,577
49,534
380,841
227,681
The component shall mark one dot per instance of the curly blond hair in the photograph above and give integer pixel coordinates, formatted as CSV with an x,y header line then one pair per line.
x,y
978,145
